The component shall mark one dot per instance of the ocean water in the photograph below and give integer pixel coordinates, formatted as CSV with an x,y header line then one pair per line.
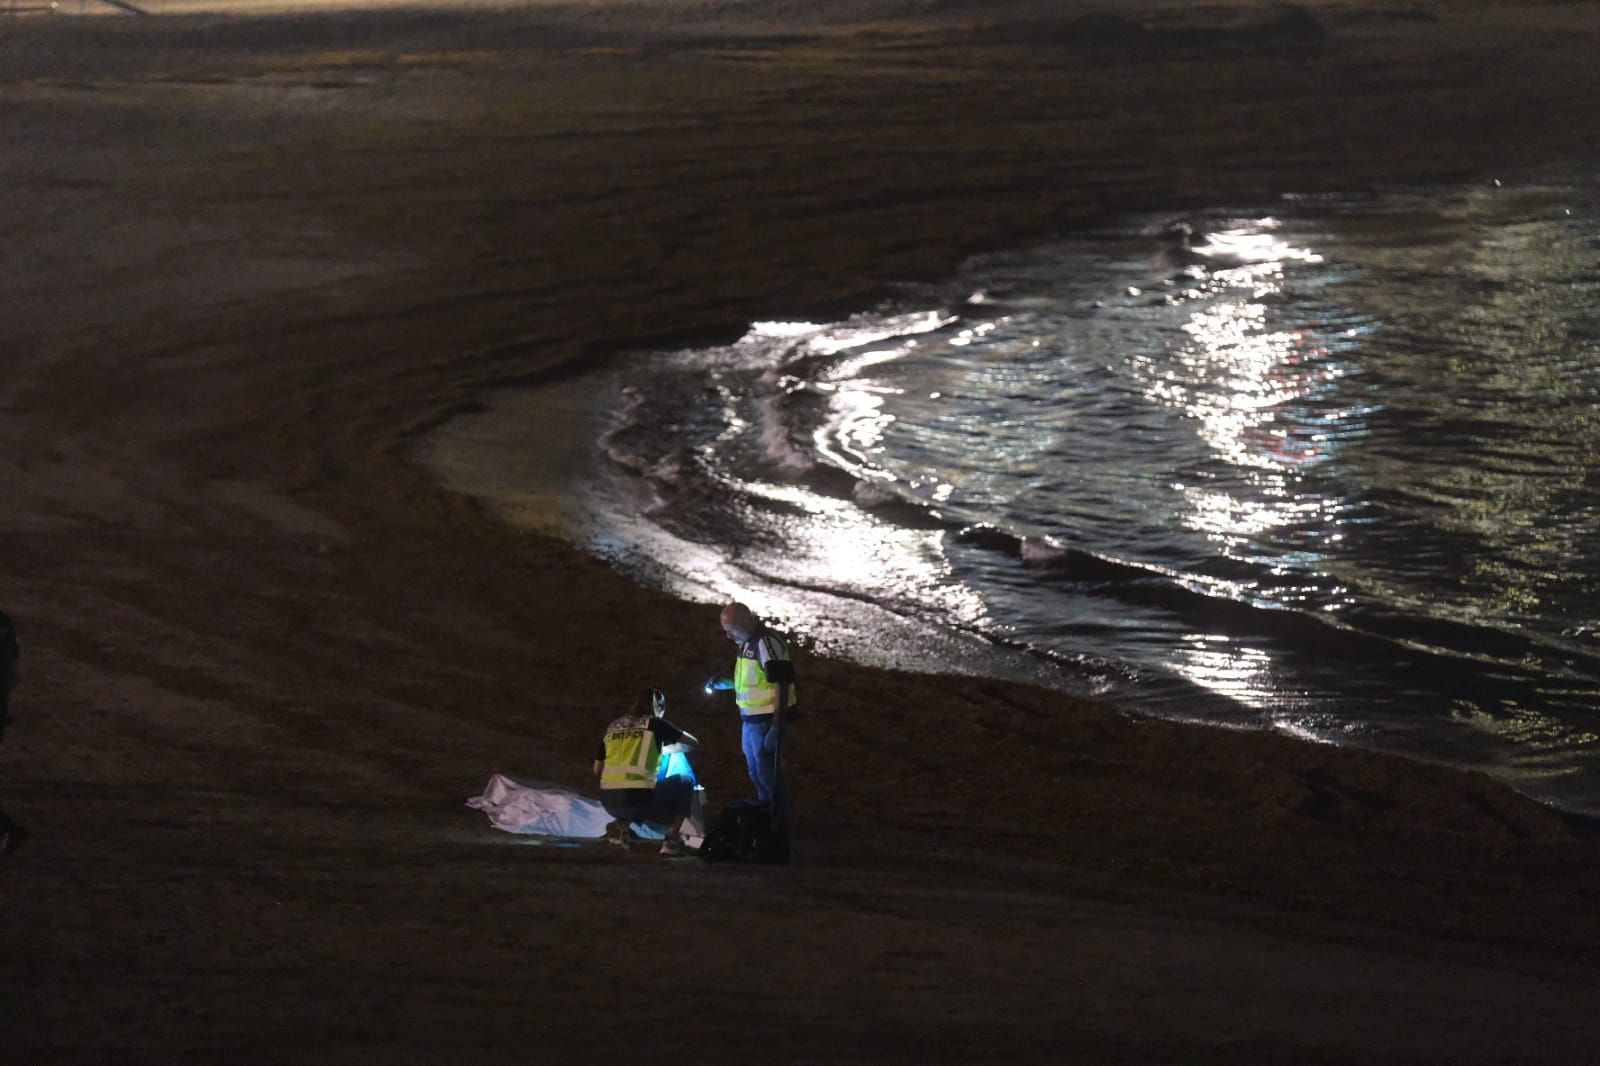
x,y
1325,465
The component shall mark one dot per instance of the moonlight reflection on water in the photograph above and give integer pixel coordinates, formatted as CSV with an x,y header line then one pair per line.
x,y
1325,467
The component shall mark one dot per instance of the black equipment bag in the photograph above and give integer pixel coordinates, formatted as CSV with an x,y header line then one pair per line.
x,y
746,832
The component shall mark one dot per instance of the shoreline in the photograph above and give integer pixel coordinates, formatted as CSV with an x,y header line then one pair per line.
x,y
267,661
519,452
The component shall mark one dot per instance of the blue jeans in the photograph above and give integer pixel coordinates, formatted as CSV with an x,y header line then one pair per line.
x,y
760,755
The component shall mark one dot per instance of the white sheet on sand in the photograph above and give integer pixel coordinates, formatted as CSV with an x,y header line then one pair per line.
x,y
534,808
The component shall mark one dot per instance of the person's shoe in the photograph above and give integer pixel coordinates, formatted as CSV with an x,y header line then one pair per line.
x,y
674,846
614,834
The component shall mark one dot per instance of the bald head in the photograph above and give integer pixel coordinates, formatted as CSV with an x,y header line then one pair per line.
x,y
738,622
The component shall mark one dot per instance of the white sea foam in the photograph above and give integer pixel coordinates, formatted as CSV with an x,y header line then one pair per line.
x,y
870,494
1224,589
776,440
1039,551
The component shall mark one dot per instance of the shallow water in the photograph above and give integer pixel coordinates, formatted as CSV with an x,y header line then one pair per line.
x,y
1324,465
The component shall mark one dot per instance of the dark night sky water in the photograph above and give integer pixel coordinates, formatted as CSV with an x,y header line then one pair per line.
x,y
1325,465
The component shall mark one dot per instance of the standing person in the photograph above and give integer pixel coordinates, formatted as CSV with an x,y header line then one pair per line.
x,y
628,764
11,834
763,687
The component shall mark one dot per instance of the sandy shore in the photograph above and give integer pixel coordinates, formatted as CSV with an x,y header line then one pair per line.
x,y
247,262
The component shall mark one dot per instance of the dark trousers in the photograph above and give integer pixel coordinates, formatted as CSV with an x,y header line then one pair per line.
x,y
660,806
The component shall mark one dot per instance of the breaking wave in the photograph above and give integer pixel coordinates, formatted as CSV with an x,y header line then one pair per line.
x,y
1326,465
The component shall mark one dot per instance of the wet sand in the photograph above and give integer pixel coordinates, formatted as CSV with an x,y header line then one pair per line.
x,y
249,262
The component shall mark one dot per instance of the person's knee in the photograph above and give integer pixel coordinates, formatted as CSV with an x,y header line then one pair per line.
x,y
673,796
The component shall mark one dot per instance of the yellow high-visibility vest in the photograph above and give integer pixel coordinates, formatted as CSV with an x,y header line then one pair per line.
x,y
753,690
633,754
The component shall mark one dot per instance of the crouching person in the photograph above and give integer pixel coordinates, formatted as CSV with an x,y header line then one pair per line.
x,y
628,764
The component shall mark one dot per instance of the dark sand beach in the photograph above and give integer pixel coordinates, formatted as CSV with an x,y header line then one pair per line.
x,y
249,260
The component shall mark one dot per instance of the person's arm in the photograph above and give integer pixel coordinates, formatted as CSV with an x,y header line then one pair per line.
x,y
600,758
685,743
774,658
779,668
672,738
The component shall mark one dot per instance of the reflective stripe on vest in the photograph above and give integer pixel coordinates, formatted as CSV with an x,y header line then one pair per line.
x,y
633,754
753,691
